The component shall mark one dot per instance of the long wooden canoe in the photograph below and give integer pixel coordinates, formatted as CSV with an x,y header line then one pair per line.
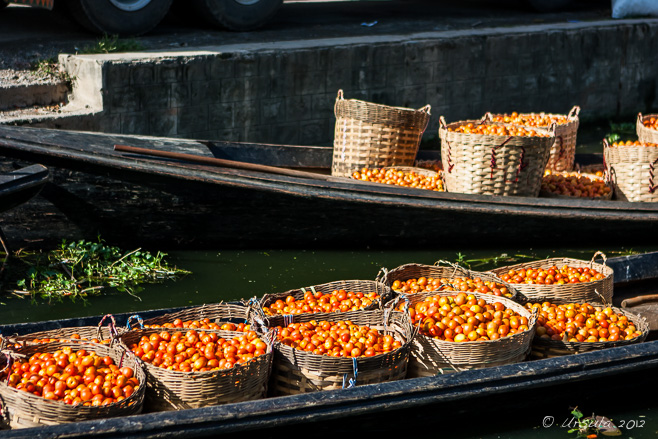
x,y
21,185
463,404
154,201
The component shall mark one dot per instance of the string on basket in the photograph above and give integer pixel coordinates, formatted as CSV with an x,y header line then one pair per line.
x,y
352,381
254,306
287,319
561,152
136,317
111,325
493,155
10,360
652,187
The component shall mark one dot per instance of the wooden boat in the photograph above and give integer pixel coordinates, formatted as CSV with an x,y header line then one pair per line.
x,y
21,186
277,201
454,404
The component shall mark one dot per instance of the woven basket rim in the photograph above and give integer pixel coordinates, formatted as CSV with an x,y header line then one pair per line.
x,y
444,129
571,119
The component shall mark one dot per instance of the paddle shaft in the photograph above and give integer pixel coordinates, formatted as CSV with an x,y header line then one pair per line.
x,y
213,161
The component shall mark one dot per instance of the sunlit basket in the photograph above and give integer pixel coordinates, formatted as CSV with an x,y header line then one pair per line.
x,y
176,390
295,371
599,291
223,312
21,409
441,269
374,135
364,286
631,170
563,151
547,348
100,334
432,356
492,164
644,134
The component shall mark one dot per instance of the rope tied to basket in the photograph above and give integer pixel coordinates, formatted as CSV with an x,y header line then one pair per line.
x,y
561,151
10,360
136,317
598,253
348,384
493,157
652,187
114,333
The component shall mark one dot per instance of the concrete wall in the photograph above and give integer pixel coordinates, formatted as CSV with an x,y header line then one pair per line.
x,y
284,92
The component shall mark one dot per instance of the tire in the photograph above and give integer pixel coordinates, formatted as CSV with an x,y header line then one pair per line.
x,y
118,17
549,5
237,15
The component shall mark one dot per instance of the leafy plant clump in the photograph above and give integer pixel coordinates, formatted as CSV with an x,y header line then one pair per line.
x,y
49,68
80,269
112,44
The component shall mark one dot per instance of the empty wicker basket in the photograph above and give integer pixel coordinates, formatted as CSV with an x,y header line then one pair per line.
x,y
375,135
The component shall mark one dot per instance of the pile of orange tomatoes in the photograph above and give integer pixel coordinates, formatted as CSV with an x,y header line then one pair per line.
x,y
202,324
467,284
575,322
337,339
463,318
552,275
197,351
531,120
338,300
496,130
400,177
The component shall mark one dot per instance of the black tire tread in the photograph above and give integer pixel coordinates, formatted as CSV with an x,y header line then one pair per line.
x,y
212,12
77,11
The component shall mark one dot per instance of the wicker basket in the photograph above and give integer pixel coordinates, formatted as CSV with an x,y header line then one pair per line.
x,y
104,334
493,165
296,371
21,409
430,356
631,171
599,291
644,134
216,312
547,348
364,286
441,269
176,390
374,135
563,151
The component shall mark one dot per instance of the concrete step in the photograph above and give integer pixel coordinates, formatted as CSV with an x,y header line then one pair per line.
x,y
15,97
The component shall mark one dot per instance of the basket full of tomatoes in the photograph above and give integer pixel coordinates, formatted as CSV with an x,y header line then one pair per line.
x,y
561,279
460,331
338,296
197,368
409,279
572,328
484,157
563,151
59,382
647,128
329,351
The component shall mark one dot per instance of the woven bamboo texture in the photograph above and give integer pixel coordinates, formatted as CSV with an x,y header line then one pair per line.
x,y
563,151
493,165
216,312
441,269
21,409
175,390
644,134
374,135
599,291
547,348
295,371
631,170
432,356
85,333
364,286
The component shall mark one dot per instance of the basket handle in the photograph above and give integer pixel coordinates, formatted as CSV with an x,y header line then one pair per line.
x,y
382,275
137,318
347,384
112,324
598,253
340,95
487,118
455,267
639,118
603,299
574,112
425,109
552,129
442,122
